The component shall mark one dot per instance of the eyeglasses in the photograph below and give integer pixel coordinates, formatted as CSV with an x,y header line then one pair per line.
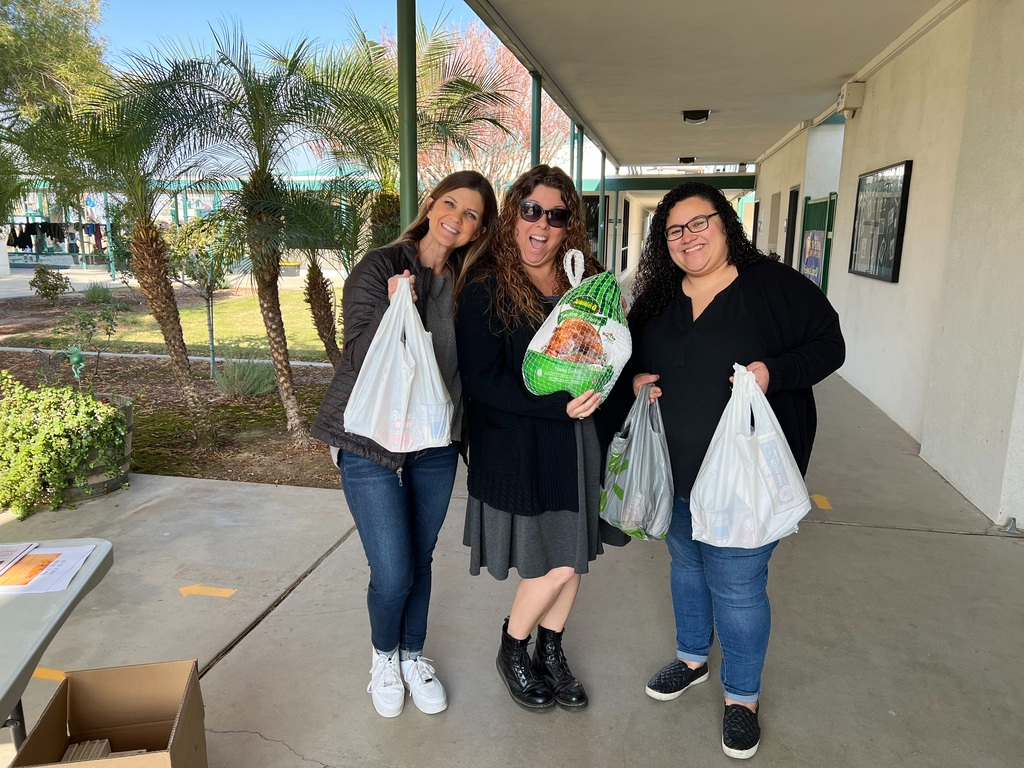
x,y
695,225
531,212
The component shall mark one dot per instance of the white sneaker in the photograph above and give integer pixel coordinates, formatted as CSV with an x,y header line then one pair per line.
x,y
385,686
427,692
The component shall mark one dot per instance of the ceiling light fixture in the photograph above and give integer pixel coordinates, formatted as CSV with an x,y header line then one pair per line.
x,y
696,116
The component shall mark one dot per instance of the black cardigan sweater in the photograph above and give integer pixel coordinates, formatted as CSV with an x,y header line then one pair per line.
x,y
522,447
803,342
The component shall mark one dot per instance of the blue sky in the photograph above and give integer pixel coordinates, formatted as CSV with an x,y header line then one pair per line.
x,y
132,25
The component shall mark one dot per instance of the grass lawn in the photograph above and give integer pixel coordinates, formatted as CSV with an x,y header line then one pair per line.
x,y
237,323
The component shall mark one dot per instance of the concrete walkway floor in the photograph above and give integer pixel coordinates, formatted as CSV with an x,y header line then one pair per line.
x,y
17,282
896,638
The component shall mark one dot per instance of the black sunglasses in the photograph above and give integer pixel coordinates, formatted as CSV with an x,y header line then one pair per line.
x,y
531,212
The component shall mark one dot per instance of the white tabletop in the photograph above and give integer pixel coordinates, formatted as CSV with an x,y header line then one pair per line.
x,y
29,622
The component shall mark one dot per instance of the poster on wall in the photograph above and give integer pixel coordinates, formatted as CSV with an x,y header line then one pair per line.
x,y
814,255
879,221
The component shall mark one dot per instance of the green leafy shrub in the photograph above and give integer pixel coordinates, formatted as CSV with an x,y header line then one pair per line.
x,y
49,284
99,293
49,439
246,377
81,326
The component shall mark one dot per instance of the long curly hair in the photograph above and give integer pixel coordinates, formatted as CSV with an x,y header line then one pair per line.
x,y
516,301
461,260
657,276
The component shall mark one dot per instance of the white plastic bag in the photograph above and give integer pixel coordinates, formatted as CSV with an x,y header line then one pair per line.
x,y
749,491
637,494
399,399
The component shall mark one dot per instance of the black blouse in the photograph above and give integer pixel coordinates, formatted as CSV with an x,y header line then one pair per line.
x,y
694,359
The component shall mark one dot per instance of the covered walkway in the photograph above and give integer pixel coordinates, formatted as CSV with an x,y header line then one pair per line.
x,y
897,618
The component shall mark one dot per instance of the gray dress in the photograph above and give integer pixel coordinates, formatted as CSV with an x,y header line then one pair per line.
x,y
535,544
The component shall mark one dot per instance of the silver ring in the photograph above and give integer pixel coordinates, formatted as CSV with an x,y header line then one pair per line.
x,y
581,417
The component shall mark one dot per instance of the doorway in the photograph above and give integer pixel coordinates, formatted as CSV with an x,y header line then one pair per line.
x,y
791,225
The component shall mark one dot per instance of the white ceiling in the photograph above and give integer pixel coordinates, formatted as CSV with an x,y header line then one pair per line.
x,y
627,68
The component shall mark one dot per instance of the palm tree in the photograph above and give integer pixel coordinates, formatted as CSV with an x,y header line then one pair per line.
x,y
328,226
131,142
256,114
455,99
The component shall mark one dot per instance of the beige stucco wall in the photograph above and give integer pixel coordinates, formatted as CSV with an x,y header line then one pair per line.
x,y
974,424
913,110
824,161
777,175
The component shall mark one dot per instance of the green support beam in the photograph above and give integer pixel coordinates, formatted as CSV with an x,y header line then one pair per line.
x,y
739,181
579,159
407,109
602,216
616,248
535,121
572,150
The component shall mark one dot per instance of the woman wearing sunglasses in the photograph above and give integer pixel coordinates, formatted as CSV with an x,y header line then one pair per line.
x,y
706,298
399,500
534,463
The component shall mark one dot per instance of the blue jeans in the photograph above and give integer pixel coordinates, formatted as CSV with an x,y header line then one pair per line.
x,y
399,518
723,589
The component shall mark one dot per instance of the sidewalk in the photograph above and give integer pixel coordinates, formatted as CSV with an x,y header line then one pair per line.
x,y
17,283
896,637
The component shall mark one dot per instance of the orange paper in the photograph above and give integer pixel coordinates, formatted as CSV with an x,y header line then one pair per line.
x,y
25,570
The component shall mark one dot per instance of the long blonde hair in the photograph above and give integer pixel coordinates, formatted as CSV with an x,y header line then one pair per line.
x,y
516,301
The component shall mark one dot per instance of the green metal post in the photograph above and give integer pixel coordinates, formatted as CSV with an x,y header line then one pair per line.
x,y
535,121
579,160
572,149
110,243
407,109
184,200
602,217
616,248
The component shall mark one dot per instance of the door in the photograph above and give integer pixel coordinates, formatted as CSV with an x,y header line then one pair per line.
x,y
816,240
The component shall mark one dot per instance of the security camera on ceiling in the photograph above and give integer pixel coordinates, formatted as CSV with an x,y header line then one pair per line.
x,y
696,116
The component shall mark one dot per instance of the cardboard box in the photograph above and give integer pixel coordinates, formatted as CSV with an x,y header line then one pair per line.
x,y
156,707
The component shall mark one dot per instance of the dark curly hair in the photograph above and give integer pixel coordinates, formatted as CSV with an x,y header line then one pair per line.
x,y
657,276
516,300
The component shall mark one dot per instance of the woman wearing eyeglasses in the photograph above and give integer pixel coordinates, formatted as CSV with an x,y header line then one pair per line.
x,y
704,299
534,461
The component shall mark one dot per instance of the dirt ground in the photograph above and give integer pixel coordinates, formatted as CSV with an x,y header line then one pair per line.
x,y
253,444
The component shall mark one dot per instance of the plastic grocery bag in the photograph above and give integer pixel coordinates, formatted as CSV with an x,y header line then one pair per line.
x,y
399,399
637,494
749,491
584,342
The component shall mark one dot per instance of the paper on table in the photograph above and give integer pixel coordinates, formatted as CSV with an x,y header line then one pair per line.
x,y
11,553
44,570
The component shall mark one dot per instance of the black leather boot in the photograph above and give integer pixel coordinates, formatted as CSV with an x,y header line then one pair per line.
x,y
526,687
550,663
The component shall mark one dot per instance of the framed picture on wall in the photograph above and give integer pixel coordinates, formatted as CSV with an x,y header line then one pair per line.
x,y
879,221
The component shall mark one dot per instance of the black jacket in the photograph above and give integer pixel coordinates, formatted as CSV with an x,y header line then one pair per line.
x,y
364,301
522,446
